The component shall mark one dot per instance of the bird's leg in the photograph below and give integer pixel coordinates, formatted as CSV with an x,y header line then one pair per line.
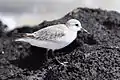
x,y
64,64
47,55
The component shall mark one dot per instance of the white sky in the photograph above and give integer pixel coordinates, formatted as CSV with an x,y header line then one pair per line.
x,y
31,12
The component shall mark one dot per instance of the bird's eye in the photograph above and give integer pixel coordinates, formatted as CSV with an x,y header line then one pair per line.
x,y
76,25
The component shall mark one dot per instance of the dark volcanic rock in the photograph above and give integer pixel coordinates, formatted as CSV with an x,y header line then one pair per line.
x,y
91,57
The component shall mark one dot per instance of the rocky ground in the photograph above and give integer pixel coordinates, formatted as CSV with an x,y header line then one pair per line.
x,y
94,56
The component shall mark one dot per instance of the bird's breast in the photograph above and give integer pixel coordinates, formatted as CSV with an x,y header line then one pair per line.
x,y
68,38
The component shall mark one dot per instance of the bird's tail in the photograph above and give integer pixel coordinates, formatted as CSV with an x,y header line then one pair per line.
x,y
25,37
21,39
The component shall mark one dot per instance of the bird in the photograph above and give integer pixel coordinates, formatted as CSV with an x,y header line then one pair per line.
x,y
54,37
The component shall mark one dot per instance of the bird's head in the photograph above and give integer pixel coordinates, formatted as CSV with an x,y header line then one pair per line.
x,y
75,25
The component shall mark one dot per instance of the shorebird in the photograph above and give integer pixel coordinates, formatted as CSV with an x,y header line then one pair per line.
x,y
54,37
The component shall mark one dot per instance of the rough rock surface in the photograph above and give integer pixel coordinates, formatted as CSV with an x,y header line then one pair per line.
x,y
91,57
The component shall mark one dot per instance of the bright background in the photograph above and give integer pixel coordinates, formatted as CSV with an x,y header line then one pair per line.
x,y
31,12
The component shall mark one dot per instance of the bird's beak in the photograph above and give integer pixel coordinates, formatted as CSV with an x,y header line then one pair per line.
x,y
85,30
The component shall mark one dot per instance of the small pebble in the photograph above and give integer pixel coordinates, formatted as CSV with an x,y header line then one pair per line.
x,y
3,52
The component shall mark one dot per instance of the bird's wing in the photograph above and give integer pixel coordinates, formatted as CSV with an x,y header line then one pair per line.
x,y
50,33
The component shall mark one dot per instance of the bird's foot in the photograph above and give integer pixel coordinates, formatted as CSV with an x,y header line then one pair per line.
x,y
61,63
64,63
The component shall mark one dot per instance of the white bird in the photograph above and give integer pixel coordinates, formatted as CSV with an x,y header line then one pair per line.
x,y
54,37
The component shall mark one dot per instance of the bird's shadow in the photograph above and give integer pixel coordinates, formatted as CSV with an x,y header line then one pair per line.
x,y
34,60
